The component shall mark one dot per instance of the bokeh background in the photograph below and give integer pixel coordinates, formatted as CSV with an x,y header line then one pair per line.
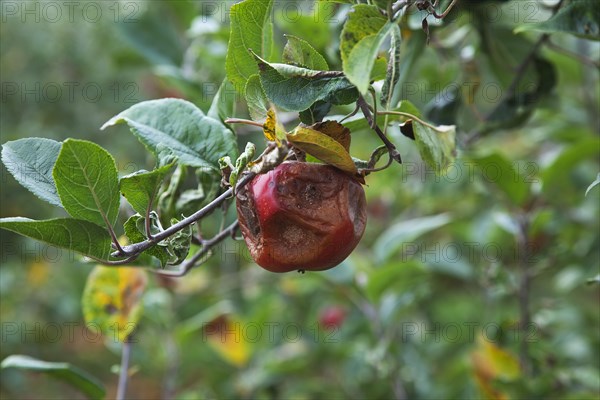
x,y
427,307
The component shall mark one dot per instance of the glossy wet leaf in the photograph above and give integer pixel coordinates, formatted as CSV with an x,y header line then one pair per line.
x,y
111,300
87,182
30,161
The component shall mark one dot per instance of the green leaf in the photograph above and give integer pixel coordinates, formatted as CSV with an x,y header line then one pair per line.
x,y
111,300
257,101
516,109
175,127
393,68
399,235
498,170
296,89
413,46
593,184
80,236
30,161
363,34
580,18
557,179
70,374
322,147
251,29
300,53
444,109
141,188
223,104
241,163
315,113
179,244
397,277
135,235
191,200
157,41
436,146
87,182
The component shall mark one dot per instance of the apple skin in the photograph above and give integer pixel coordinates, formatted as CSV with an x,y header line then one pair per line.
x,y
301,216
332,317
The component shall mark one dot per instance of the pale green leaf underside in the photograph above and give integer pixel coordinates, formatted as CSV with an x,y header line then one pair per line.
x,y
296,89
80,236
87,182
30,161
257,101
299,52
593,184
437,147
177,128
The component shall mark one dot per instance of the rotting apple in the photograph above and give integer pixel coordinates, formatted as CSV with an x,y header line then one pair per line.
x,y
301,216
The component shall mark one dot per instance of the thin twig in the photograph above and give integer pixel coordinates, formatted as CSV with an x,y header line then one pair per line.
x,y
524,289
111,263
147,223
442,15
583,59
207,245
364,106
137,248
243,121
408,115
124,371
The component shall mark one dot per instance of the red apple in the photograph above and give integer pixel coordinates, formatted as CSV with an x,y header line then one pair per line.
x,y
301,216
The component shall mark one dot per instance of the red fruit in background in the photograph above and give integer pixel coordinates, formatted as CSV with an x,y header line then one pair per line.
x,y
332,317
301,216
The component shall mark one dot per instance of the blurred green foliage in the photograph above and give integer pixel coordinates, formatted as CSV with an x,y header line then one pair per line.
x,y
439,273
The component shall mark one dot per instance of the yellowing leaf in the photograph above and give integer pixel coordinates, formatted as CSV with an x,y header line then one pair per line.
x,y
322,147
37,273
111,300
227,338
336,131
490,362
273,130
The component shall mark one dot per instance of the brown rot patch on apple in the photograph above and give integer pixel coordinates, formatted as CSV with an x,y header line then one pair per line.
x,y
301,216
